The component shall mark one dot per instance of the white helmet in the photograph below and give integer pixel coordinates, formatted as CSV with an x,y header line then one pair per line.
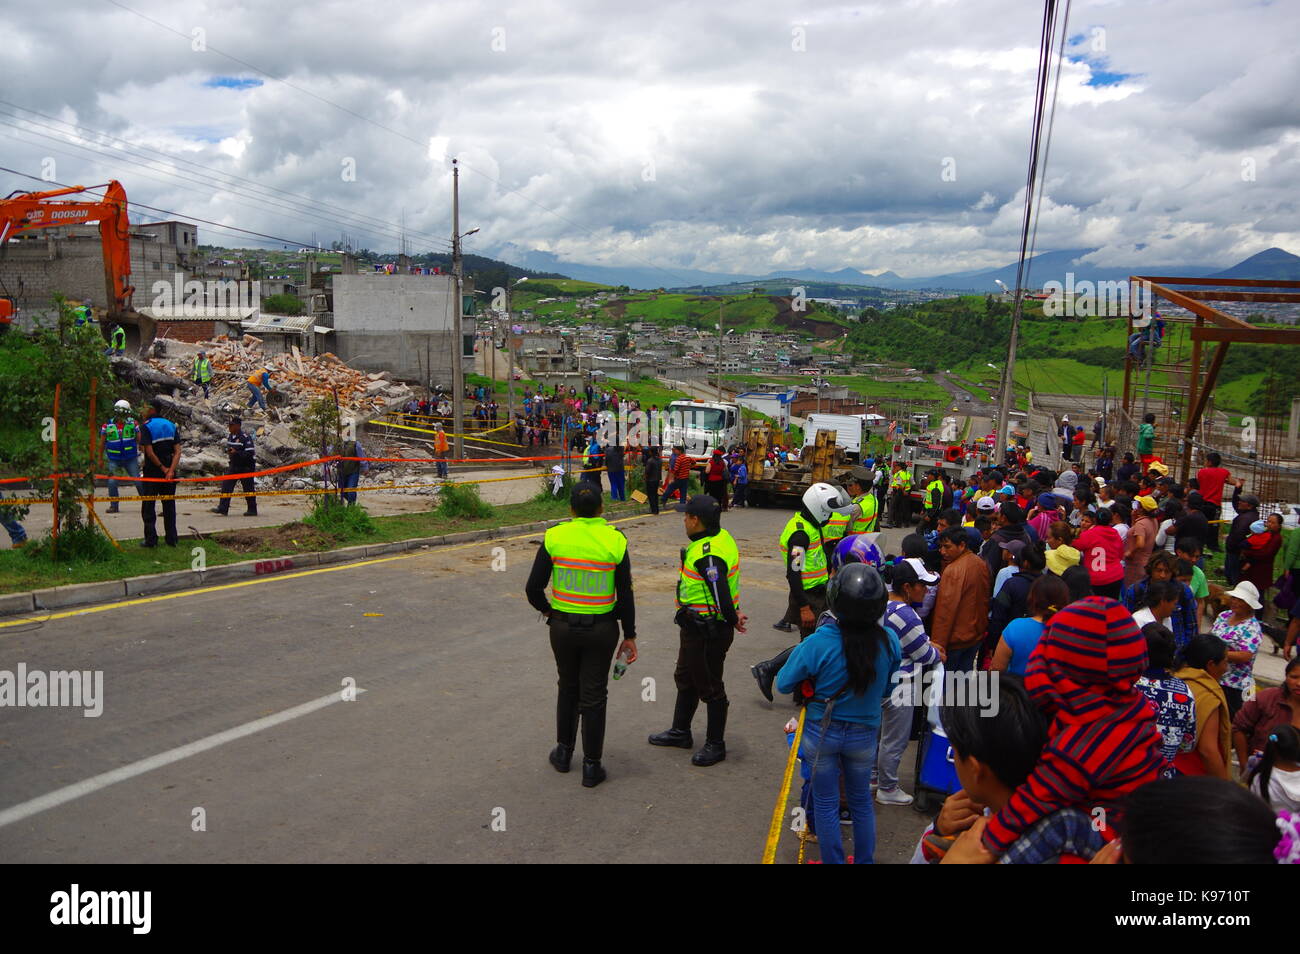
x,y
822,499
122,406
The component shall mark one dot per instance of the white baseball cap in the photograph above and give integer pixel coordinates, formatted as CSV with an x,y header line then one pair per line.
x,y
922,572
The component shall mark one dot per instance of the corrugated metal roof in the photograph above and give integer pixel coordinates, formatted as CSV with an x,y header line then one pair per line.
x,y
299,324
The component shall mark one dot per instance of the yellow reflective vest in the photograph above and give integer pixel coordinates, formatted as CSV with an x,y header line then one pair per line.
x,y
693,591
814,561
584,552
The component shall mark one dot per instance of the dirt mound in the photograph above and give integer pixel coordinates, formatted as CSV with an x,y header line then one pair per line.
x,y
787,317
291,536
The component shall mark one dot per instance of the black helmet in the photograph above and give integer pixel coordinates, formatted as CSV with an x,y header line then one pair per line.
x,y
857,594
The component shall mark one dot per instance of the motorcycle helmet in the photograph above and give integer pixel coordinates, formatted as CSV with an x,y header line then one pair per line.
x,y
823,499
857,548
857,595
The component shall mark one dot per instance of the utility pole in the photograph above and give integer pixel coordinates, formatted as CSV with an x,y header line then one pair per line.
x,y
458,371
719,368
1008,380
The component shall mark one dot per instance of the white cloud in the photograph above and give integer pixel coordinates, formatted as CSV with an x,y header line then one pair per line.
x,y
761,155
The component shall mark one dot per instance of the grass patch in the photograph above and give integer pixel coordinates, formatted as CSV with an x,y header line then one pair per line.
x,y
463,500
335,519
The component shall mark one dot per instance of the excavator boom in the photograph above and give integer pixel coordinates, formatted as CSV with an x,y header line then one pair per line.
x,y
28,211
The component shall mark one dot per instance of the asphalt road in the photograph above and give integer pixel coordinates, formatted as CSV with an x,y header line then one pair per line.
x,y
445,746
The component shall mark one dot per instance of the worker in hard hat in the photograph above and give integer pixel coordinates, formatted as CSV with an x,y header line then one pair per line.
x,y
201,373
259,381
120,445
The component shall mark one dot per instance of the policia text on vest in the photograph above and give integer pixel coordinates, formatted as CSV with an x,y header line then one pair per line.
x,y
585,562
708,616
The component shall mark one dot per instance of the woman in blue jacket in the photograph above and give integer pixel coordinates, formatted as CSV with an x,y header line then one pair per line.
x,y
850,660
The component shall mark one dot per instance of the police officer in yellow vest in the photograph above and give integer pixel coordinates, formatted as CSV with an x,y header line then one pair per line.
x,y
586,563
900,485
863,516
806,570
934,493
708,617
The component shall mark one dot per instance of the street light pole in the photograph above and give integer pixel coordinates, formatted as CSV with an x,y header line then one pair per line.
x,y
719,358
458,370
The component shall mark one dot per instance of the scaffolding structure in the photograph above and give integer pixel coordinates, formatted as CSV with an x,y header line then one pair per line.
x,y
1175,384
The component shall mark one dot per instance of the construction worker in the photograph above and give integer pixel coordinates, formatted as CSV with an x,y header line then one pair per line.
x,y
440,447
708,617
242,461
586,563
258,382
201,373
116,341
119,440
806,571
162,455
83,314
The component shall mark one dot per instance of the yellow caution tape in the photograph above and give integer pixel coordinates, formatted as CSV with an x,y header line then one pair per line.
x,y
778,813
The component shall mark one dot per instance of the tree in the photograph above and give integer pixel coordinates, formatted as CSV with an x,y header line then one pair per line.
x,y
621,342
283,305
30,367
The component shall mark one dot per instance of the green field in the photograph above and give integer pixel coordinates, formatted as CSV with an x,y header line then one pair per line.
x,y
866,386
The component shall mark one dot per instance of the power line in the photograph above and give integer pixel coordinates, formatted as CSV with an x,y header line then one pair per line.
x,y
131,148
262,201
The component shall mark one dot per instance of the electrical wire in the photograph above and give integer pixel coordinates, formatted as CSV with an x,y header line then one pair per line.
x,y
306,202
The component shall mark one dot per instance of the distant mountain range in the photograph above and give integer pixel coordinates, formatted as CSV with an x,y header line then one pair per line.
x,y
1274,263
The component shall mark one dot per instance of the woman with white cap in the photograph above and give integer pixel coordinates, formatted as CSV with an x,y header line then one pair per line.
x,y
1241,631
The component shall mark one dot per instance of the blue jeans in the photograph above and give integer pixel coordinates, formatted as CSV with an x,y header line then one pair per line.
x,y
616,489
131,468
675,486
895,730
849,747
442,466
347,481
257,399
17,534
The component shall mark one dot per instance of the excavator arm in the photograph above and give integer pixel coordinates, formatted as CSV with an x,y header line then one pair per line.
x,y
27,211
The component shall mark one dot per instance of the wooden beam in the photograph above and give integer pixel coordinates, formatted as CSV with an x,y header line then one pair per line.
x,y
1223,282
1211,376
1274,336
1282,297
1196,308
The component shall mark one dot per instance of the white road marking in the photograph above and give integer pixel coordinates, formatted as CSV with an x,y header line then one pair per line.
x,y
91,785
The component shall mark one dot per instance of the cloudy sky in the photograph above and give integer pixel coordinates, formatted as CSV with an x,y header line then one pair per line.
x,y
731,137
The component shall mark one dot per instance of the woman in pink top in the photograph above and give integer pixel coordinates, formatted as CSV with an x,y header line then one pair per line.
x,y
1141,540
1102,553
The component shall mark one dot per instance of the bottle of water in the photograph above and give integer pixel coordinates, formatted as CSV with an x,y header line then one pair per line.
x,y
620,667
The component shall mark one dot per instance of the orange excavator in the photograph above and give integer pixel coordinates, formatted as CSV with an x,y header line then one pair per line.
x,y
24,212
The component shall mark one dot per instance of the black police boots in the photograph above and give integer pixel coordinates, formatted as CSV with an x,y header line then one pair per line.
x,y
561,757
765,672
593,745
715,750
593,773
680,734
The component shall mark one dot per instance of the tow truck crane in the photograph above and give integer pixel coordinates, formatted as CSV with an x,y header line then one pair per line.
x,y
22,212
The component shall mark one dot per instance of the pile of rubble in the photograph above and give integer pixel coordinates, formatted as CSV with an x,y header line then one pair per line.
x,y
297,380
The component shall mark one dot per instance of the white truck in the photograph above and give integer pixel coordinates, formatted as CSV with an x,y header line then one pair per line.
x,y
700,426
847,428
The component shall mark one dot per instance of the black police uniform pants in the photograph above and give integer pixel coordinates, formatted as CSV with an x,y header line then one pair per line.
x,y
652,491
228,485
584,647
700,659
148,512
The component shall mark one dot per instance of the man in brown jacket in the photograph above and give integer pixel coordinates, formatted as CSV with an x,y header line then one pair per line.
x,y
961,604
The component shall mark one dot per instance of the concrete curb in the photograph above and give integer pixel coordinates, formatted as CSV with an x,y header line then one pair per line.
x,y
84,594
